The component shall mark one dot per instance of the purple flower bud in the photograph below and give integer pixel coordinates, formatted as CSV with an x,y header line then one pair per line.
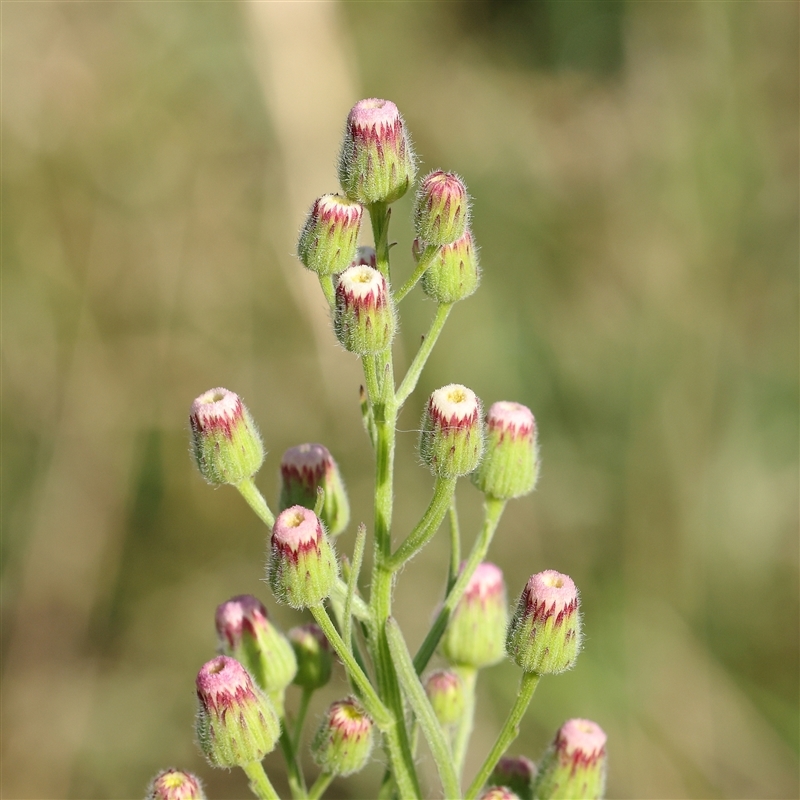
x,y
454,272
302,566
365,255
545,633
344,741
174,784
329,237
441,208
314,656
446,694
499,793
364,314
225,441
516,773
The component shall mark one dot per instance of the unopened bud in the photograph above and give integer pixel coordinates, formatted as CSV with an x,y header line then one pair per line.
x,y
314,656
454,272
365,255
545,633
302,566
475,634
574,766
446,694
376,163
343,742
306,468
451,441
245,633
516,773
441,208
329,237
225,441
499,793
511,464
364,313
174,784
236,722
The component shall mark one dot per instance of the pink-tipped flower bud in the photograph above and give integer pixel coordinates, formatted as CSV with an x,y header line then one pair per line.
x,y
329,237
475,634
245,633
365,255
574,765
364,313
376,163
499,793
314,656
174,784
236,722
343,742
225,441
445,691
309,467
441,208
302,566
511,464
516,773
451,441
454,272
545,633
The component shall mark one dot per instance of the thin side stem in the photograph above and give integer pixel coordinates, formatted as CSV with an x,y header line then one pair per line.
x,y
256,501
320,785
379,214
468,677
359,608
358,557
259,782
305,700
294,773
409,382
326,282
425,260
455,544
509,732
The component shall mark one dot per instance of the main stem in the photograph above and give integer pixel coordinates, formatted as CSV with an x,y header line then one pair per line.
x,y
259,782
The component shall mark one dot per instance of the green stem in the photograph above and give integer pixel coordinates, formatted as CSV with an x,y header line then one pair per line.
x,y
468,677
359,608
415,370
305,699
493,510
293,771
358,557
455,544
256,501
509,732
379,217
427,526
320,785
428,254
259,782
326,282
422,708
371,379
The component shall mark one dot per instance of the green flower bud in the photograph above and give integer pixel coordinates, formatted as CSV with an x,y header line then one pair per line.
x,y
510,466
376,163
314,656
446,694
516,773
245,633
574,766
236,722
441,208
173,784
499,793
364,313
306,468
545,633
225,441
474,635
329,237
451,441
454,272
342,744
302,566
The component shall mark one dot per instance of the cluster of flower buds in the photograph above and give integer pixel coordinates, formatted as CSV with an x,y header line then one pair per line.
x,y
304,470
236,722
225,441
445,691
574,764
515,773
364,314
475,634
173,784
314,656
545,632
343,742
329,238
302,566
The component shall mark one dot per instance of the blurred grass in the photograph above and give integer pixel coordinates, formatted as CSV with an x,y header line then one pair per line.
x,y
635,179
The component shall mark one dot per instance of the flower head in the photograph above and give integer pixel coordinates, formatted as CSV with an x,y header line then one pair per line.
x,y
174,784
441,208
314,656
329,237
344,740
364,316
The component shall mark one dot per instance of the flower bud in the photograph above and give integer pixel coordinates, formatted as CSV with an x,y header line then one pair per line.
x,y
574,766
511,464
173,784
446,693
306,468
364,312
225,441
516,773
236,722
342,744
329,237
376,163
302,566
245,633
314,656
454,272
545,633
451,442
441,208
499,793
365,255
475,633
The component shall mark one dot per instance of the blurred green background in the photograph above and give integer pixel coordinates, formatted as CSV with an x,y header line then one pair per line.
x,y
634,168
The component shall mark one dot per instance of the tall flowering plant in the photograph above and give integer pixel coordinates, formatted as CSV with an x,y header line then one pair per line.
x,y
242,710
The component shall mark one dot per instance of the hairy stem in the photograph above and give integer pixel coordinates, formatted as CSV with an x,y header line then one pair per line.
x,y
256,501
259,782
415,370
